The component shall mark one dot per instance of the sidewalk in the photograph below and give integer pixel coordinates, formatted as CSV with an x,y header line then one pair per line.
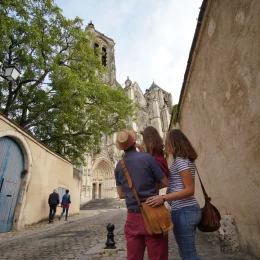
x,y
207,248
83,237
44,226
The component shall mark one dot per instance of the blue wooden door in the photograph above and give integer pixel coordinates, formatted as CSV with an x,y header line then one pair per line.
x,y
11,167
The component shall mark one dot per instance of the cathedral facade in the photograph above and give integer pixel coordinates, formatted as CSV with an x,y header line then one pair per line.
x,y
154,108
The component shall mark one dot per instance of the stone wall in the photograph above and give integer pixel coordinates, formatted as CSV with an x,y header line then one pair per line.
x,y
220,112
45,171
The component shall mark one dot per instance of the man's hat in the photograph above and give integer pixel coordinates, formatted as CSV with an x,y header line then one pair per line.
x,y
125,139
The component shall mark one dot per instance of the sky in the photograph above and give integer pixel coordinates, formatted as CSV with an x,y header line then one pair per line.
x,y
153,37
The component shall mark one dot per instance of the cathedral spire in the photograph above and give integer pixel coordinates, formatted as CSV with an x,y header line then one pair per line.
x,y
128,82
154,86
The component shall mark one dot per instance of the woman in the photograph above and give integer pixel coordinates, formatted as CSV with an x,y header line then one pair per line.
x,y
185,211
65,203
154,146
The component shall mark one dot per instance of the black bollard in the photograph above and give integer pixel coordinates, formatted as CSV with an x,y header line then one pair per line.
x,y
110,244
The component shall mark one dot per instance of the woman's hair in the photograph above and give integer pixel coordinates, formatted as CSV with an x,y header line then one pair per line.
x,y
152,140
178,145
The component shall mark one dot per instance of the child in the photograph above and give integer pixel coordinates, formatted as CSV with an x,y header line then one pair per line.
x,y
154,145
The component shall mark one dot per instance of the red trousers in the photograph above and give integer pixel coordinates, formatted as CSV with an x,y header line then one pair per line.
x,y
137,239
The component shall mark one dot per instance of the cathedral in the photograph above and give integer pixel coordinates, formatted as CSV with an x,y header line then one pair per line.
x,y
154,108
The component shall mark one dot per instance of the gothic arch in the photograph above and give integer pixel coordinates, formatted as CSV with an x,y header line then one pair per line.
x,y
103,179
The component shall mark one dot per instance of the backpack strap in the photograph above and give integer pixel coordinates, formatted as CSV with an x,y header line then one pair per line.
x,y
130,183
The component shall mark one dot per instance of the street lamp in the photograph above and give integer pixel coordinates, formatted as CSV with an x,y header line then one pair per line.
x,y
11,72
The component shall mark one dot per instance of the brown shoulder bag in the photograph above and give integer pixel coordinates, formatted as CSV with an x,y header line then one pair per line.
x,y
157,219
211,217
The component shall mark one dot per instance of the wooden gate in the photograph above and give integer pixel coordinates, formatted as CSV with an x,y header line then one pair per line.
x,y
11,167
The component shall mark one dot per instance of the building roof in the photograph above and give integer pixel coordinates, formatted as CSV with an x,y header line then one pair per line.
x,y
92,26
192,49
153,86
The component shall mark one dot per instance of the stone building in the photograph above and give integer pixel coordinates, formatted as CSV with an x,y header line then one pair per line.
x,y
219,111
154,108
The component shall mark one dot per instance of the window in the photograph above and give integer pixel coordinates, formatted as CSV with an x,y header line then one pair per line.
x,y
96,46
61,192
104,56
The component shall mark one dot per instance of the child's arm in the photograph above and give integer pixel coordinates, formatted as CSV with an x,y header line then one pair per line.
x,y
140,147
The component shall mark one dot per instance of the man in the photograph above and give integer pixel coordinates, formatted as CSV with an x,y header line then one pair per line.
x,y
145,173
53,202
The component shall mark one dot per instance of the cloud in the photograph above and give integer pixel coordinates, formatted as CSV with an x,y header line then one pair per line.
x,y
153,37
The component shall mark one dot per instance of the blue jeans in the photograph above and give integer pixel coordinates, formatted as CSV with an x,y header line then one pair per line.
x,y
63,211
185,221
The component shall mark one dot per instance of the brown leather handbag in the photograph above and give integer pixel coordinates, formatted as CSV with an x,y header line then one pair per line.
x,y
211,217
157,219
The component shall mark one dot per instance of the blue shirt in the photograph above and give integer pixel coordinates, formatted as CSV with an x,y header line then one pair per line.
x,y
65,199
144,172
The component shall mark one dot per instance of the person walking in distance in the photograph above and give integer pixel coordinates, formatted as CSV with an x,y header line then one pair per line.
x,y
53,202
185,211
144,173
65,203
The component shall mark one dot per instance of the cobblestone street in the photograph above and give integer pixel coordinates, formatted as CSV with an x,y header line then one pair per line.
x,y
83,237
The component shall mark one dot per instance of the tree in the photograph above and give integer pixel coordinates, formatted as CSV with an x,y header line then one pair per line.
x,y
60,97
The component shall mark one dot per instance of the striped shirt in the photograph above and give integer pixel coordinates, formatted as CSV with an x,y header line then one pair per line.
x,y
176,184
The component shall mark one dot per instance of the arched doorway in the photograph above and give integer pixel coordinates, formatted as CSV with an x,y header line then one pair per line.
x,y
93,190
103,179
11,167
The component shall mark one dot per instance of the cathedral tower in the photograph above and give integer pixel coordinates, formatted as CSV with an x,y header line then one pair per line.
x,y
106,47
98,175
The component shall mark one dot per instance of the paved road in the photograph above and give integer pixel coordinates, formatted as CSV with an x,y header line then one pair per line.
x,y
83,237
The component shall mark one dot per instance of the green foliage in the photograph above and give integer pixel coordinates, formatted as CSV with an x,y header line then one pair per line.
x,y
60,97
118,85
175,111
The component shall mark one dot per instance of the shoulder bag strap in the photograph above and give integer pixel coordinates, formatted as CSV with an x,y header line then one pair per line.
x,y
130,183
202,186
